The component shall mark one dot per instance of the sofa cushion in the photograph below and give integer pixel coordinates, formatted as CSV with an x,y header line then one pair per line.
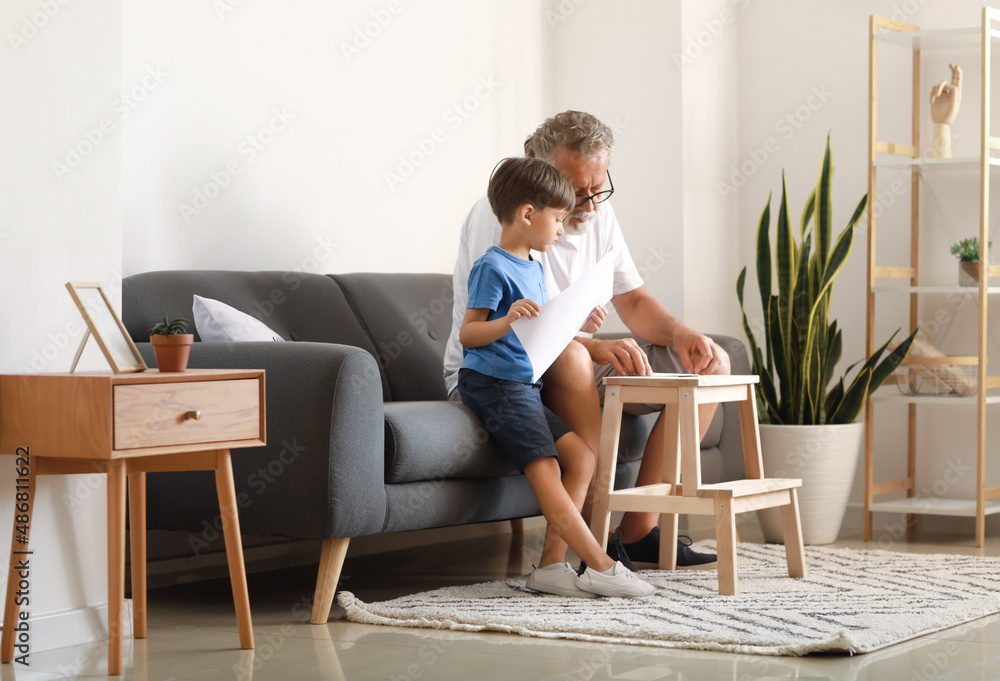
x,y
216,321
408,318
438,440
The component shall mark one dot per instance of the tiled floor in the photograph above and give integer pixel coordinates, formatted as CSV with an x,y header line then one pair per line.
x,y
192,633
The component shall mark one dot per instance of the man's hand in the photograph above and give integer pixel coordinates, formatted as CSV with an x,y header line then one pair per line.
x,y
595,320
522,308
698,353
623,354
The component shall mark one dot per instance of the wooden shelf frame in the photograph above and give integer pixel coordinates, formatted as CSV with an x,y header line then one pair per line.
x,y
882,29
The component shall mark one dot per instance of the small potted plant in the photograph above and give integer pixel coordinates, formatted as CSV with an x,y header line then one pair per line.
x,y
171,344
967,252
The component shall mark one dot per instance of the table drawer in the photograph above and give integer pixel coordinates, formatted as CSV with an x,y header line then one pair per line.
x,y
154,414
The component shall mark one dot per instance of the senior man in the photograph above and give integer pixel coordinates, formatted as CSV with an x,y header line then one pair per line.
x,y
579,145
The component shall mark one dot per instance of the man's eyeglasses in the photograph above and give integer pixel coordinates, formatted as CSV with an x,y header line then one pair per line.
x,y
599,197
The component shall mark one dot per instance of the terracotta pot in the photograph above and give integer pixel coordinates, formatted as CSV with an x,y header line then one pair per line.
x,y
968,273
172,351
825,458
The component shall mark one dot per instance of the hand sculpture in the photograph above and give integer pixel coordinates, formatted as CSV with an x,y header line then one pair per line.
x,y
945,100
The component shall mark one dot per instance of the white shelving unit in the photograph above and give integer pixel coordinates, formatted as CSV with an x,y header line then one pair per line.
x,y
976,41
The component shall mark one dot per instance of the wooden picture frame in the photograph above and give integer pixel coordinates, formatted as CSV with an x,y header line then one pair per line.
x,y
106,327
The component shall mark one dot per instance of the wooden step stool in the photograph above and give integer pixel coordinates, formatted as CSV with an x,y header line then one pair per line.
x,y
681,394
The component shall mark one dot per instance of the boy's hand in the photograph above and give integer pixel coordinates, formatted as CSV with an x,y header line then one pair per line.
x,y
522,308
595,320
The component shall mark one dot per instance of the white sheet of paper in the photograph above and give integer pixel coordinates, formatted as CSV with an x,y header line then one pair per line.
x,y
547,335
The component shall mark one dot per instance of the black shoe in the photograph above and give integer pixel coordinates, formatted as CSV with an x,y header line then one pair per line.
x,y
692,560
647,550
616,551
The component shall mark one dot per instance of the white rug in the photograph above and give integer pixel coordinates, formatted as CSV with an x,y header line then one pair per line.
x,y
852,602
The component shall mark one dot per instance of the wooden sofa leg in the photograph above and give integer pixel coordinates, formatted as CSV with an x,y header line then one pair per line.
x,y
330,563
517,526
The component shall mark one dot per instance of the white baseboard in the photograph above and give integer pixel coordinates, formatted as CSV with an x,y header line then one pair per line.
x,y
79,626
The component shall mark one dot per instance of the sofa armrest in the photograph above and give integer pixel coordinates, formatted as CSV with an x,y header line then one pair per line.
x,y
322,473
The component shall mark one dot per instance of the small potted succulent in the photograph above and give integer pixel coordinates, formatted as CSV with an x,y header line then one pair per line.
x,y
967,252
171,344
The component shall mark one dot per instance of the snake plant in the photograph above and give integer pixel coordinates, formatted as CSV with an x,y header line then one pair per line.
x,y
801,345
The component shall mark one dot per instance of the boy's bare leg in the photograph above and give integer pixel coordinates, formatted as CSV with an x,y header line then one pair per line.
x,y
577,463
638,525
560,495
571,392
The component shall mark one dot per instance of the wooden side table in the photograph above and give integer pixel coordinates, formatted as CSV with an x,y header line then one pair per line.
x,y
126,425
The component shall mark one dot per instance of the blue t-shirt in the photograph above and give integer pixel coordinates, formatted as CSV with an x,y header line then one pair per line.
x,y
498,280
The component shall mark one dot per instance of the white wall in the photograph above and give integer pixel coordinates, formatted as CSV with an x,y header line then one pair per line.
x,y
707,60
448,87
613,59
59,72
220,77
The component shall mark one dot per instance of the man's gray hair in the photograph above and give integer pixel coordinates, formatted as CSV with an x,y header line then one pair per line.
x,y
581,133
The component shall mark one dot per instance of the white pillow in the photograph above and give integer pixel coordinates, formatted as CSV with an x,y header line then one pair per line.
x,y
217,321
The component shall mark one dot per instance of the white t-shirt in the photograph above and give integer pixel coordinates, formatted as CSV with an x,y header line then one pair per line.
x,y
565,262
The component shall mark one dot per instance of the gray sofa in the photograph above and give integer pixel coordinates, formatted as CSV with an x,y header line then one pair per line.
x,y
361,438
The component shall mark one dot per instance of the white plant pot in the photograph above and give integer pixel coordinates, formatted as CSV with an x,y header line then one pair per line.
x,y
825,458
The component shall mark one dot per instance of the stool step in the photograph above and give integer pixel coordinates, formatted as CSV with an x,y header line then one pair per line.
x,y
746,488
659,498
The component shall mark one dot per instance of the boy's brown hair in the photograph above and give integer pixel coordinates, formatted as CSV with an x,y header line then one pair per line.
x,y
517,181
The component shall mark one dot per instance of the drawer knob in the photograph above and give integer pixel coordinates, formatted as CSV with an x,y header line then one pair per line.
x,y
192,416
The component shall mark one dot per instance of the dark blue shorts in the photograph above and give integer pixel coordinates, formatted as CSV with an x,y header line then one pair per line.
x,y
522,427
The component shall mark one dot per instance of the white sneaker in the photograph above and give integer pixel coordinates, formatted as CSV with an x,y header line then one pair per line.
x,y
558,579
622,582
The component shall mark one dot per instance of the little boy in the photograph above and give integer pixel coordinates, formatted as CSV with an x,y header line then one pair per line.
x,y
531,199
